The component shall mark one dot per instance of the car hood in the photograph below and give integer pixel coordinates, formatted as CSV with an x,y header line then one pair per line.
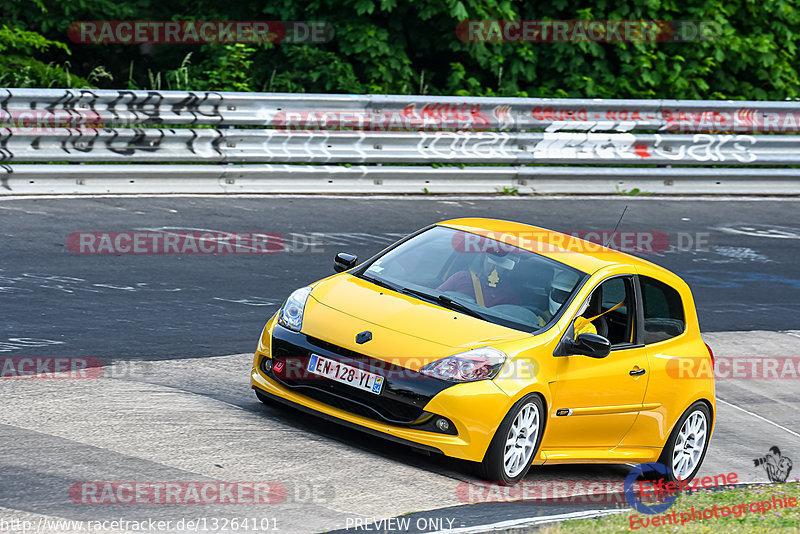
x,y
406,331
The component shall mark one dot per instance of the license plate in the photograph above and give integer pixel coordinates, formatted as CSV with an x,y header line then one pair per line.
x,y
346,374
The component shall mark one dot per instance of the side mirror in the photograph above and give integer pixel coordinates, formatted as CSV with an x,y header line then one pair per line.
x,y
344,261
590,345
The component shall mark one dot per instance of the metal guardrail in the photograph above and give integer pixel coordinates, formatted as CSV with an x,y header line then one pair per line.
x,y
76,107
286,146
154,128
337,179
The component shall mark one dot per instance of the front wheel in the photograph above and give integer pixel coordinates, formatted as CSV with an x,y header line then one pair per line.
x,y
515,442
687,444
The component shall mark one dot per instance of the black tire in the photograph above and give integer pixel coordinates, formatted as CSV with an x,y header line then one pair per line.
x,y
493,468
668,452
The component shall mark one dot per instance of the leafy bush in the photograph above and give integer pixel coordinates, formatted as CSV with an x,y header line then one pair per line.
x,y
411,47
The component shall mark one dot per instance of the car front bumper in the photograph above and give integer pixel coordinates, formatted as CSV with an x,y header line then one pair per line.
x,y
474,408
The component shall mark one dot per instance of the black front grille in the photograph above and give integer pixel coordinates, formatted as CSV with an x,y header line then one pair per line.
x,y
402,400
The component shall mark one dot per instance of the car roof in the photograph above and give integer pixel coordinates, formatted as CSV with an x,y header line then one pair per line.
x,y
583,255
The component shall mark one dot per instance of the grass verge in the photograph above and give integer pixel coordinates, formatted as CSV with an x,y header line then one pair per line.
x,y
773,520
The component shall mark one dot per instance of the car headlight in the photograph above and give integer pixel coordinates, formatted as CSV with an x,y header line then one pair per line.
x,y
475,364
291,315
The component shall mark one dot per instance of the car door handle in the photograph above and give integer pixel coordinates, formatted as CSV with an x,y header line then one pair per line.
x,y
636,372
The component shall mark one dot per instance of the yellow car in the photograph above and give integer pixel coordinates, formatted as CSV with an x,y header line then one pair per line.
x,y
500,343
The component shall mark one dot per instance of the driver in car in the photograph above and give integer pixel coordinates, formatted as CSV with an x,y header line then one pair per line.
x,y
484,283
560,289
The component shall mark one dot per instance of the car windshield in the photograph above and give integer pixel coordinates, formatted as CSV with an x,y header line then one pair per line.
x,y
478,276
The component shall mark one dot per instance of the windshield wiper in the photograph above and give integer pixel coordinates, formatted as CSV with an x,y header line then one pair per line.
x,y
379,282
455,305
446,301
421,294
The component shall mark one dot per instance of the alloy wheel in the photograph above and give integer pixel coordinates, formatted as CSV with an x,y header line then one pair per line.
x,y
521,440
689,445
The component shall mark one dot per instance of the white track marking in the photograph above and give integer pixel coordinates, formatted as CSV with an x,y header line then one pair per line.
x,y
26,211
773,423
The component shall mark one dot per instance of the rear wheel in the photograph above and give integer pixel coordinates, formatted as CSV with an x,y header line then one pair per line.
x,y
686,447
515,442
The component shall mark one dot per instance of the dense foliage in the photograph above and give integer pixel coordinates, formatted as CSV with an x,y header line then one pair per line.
x,y
411,47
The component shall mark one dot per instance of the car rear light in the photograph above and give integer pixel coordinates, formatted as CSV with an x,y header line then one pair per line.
x,y
711,353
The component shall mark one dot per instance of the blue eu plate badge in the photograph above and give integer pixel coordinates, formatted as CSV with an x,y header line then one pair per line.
x,y
376,387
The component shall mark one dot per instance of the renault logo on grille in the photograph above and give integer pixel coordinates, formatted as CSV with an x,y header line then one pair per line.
x,y
363,337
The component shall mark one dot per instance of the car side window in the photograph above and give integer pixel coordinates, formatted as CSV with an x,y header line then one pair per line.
x,y
610,312
613,292
663,311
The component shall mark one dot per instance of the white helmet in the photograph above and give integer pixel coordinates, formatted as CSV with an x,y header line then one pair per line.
x,y
561,287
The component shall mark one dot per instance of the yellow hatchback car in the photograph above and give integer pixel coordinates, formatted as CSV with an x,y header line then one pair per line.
x,y
500,343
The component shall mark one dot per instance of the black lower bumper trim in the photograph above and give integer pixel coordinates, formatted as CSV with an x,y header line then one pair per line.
x,y
346,423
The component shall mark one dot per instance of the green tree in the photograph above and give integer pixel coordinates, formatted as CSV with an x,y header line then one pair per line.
x,y
20,66
411,47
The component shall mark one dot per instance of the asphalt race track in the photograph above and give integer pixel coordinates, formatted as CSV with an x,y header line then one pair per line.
x,y
174,335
